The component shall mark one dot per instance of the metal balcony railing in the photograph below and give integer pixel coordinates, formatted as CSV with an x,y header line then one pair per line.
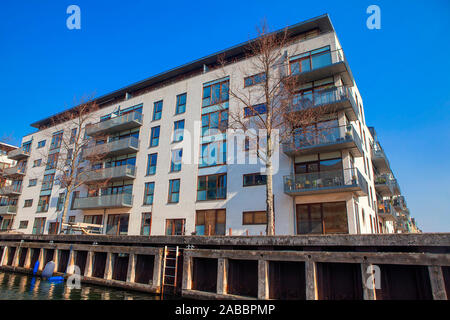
x,y
8,209
399,203
326,181
113,148
335,99
124,122
325,139
18,154
112,173
105,201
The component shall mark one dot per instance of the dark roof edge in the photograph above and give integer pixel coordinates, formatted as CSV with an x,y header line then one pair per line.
x,y
323,21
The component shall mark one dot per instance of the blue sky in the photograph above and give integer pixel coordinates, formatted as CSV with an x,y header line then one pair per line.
x,y
401,70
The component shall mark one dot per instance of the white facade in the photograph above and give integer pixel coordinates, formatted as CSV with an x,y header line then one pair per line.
x,y
238,198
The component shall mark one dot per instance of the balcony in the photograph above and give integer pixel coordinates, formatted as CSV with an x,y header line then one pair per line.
x,y
122,200
114,148
380,159
18,154
328,139
15,172
385,210
332,63
5,210
12,190
125,122
331,101
111,174
346,180
399,203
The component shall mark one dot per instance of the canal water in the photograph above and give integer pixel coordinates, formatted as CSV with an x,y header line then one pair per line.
x,y
16,286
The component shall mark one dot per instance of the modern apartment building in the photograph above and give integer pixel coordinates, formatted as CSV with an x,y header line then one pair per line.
x,y
330,185
8,196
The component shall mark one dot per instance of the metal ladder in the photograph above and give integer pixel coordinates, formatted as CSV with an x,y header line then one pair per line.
x,y
170,269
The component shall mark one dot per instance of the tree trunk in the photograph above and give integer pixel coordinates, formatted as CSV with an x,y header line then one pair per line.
x,y
65,209
269,190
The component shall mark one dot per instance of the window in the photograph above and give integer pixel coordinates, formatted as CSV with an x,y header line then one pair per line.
x,y
254,179
255,110
157,110
215,93
71,219
175,227
56,140
154,137
149,192
23,224
214,123
60,202
178,130
53,227
210,222
47,182
322,218
39,225
310,60
213,153
41,144
52,161
69,156
146,224
254,217
254,79
43,204
117,224
151,163
26,147
175,163
212,187
93,219
28,203
32,182
73,135
174,191
37,163
181,103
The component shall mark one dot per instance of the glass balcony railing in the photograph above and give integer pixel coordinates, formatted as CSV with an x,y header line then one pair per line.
x,y
11,190
325,139
14,171
326,181
124,122
120,200
399,203
111,173
385,210
380,159
8,209
113,148
42,208
334,99
19,154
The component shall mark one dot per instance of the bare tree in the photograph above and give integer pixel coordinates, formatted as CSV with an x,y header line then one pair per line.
x,y
269,102
72,167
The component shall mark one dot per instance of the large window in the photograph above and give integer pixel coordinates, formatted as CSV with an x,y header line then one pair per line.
x,y
254,217
212,187
215,93
174,191
178,130
149,192
254,79
210,222
52,161
257,109
151,163
310,60
214,123
93,219
254,179
213,153
175,227
117,224
181,103
56,140
39,225
60,202
43,204
322,218
53,228
146,224
41,144
157,110
47,183
154,137
175,163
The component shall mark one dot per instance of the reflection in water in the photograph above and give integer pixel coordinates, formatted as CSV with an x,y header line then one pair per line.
x,y
23,287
